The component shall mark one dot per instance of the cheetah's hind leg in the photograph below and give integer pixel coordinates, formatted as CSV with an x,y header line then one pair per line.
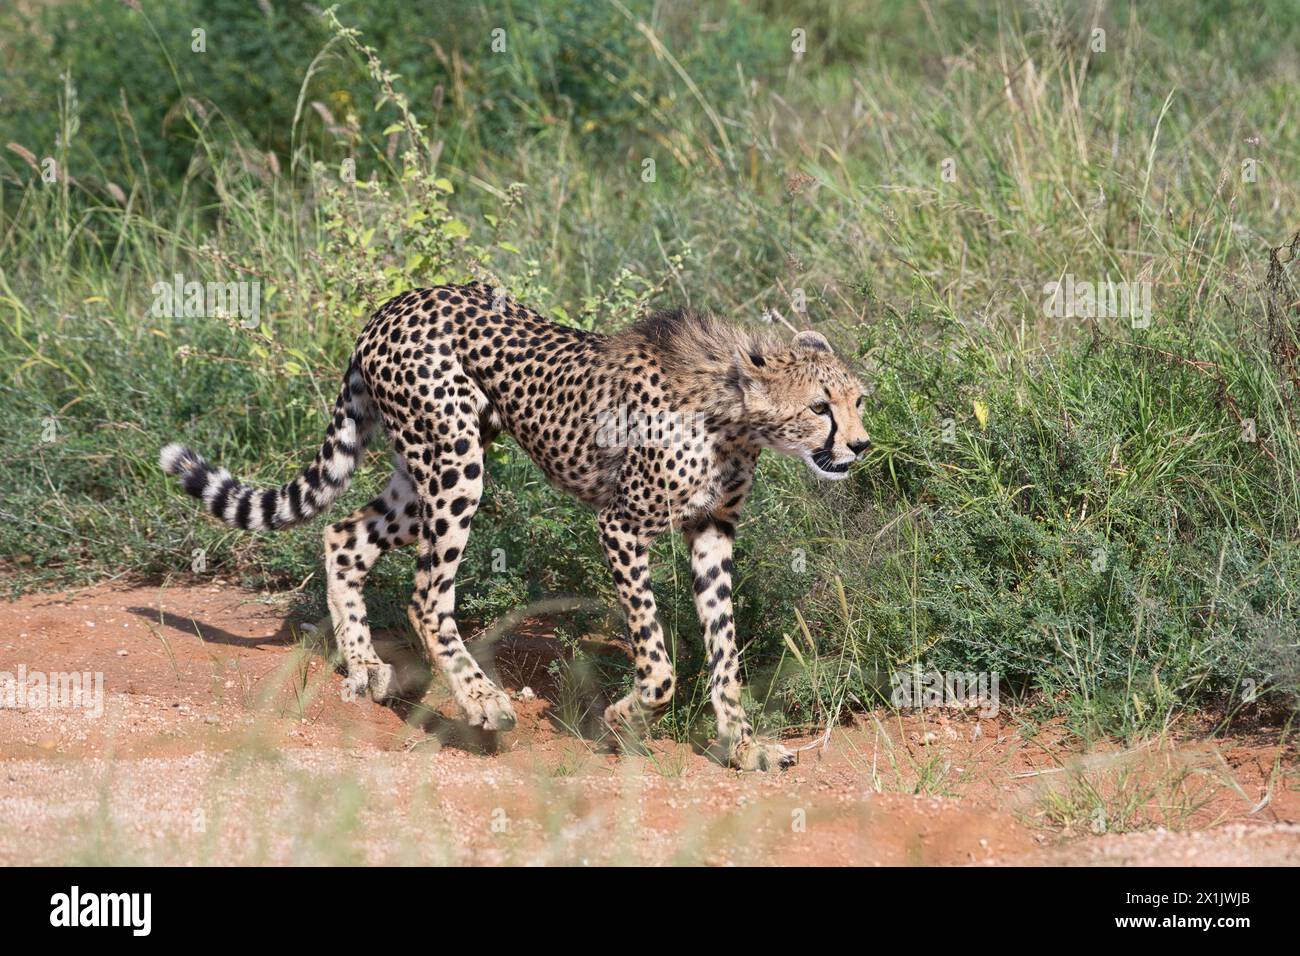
x,y
352,546
451,485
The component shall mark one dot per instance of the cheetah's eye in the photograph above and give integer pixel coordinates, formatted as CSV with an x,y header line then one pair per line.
x,y
819,408
862,400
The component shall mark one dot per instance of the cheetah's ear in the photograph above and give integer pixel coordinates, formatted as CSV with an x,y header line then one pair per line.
x,y
745,369
752,358
811,341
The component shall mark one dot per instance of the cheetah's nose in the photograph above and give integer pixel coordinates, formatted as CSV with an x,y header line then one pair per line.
x,y
858,447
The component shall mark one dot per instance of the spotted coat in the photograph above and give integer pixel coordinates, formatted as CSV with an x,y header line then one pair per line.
x,y
656,427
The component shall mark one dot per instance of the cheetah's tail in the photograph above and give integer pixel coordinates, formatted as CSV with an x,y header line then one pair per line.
x,y
315,488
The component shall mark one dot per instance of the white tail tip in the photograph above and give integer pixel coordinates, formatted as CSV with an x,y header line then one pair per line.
x,y
171,457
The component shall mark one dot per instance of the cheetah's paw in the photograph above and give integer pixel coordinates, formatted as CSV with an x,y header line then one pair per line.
x,y
354,686
489,708
627,720
383,682
756,754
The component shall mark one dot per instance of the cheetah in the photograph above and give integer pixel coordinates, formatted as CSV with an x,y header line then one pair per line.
x,y
656,426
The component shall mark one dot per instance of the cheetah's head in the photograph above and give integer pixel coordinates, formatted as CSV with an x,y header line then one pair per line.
x,y
802,401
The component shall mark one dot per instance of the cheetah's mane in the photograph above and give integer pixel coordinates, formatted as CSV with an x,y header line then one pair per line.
x,y
699,350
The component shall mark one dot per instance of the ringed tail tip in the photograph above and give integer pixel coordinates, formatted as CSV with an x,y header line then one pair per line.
x,y
176,459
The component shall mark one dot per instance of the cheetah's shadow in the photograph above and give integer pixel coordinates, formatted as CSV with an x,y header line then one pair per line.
x,y
529,664
526,658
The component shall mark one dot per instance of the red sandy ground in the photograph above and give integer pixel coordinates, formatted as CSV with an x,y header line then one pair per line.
x,y
224,740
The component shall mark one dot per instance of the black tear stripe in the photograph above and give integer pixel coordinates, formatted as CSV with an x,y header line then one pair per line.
x,y
823,456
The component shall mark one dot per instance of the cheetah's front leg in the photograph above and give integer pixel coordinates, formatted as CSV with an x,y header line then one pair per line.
x,y
627,552
711,547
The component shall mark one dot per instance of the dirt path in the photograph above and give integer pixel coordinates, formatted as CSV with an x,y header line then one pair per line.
x,y
222,739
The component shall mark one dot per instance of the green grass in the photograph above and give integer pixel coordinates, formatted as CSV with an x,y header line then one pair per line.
x,y
1068,502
